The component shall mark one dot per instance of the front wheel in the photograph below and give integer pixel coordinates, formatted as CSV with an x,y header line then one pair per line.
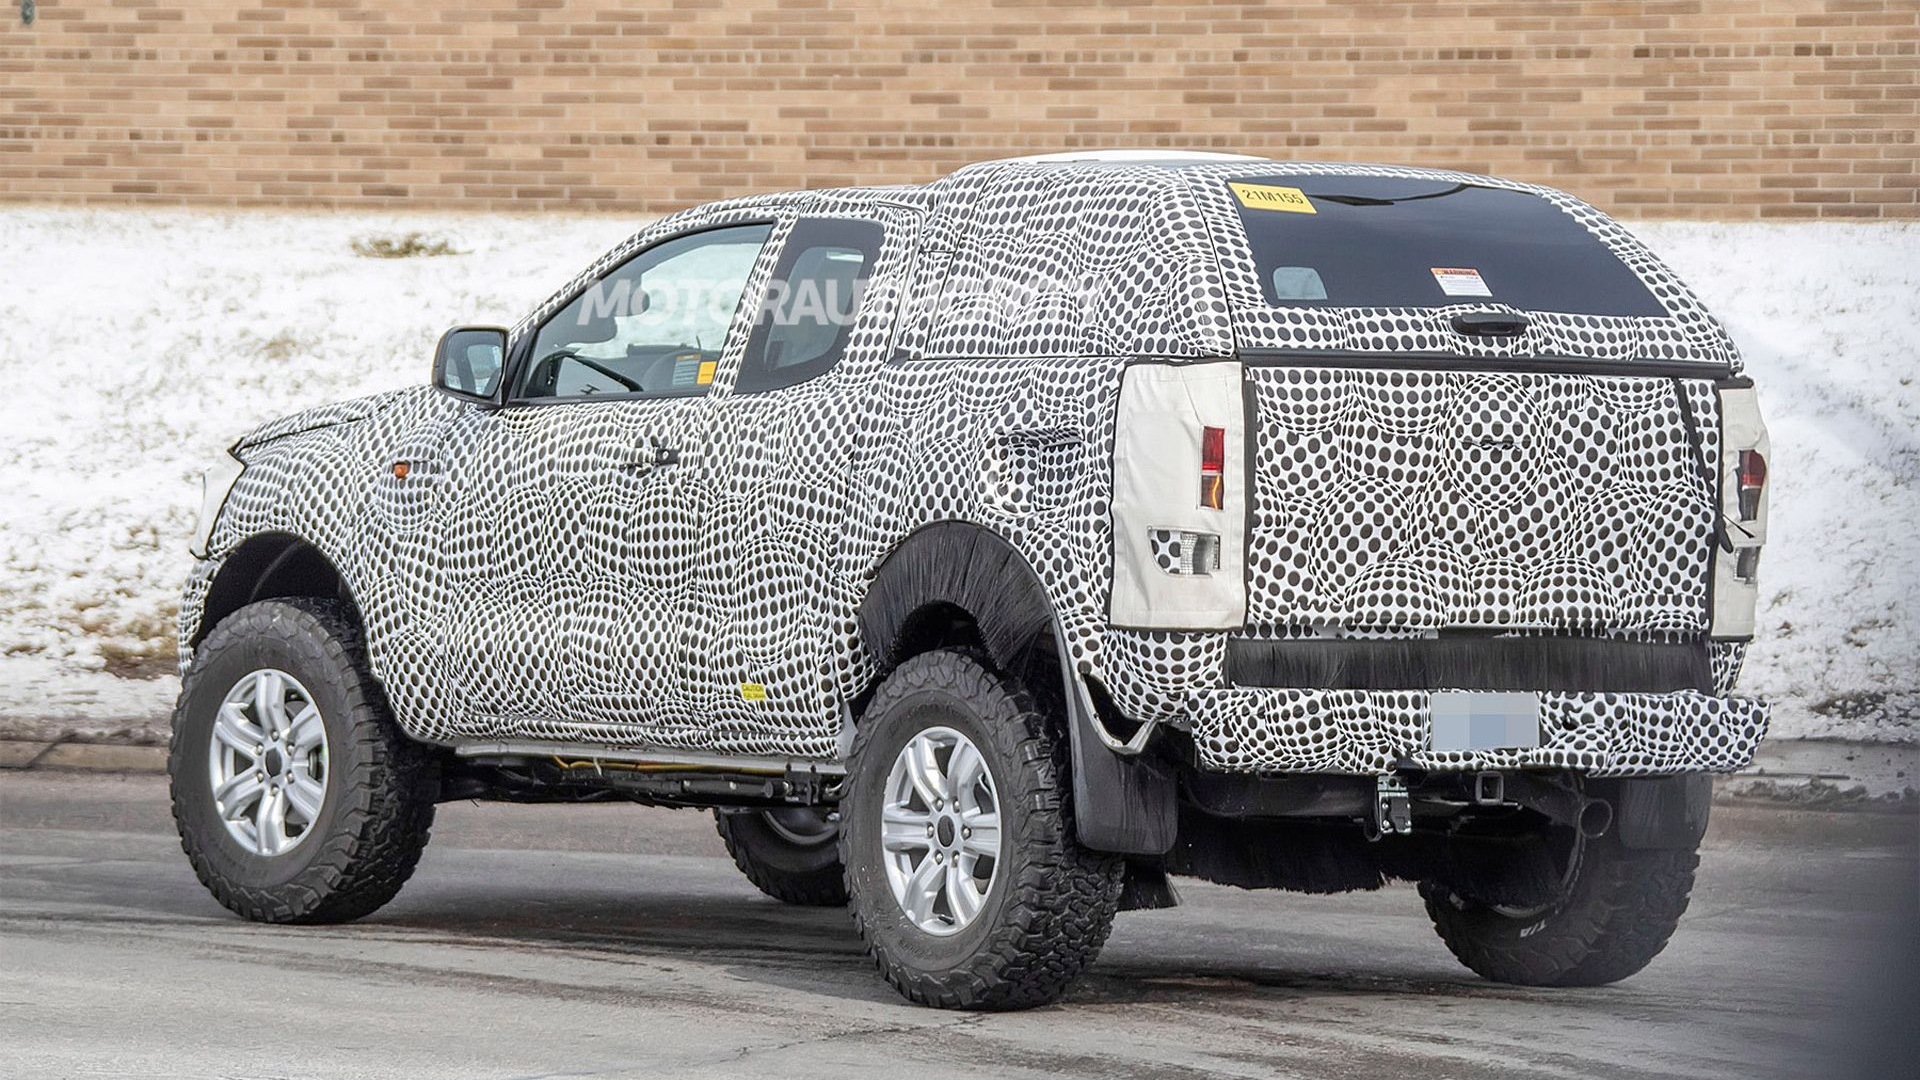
x,y
297,798
1618,908
966,880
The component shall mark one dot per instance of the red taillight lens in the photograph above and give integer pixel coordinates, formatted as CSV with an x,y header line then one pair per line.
x,y
1213,467
1213,450
1753,478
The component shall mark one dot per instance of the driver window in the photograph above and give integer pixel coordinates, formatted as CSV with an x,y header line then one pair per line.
x,y
654,327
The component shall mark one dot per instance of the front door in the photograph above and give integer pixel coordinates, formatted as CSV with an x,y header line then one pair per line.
x,y
572,536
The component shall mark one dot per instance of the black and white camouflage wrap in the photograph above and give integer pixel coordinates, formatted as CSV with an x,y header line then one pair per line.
x,y
520,584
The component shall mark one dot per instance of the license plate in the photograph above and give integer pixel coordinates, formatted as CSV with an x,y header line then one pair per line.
x,y
1484,720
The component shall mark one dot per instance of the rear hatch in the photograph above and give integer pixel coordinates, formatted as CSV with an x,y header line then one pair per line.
x,y
1471,408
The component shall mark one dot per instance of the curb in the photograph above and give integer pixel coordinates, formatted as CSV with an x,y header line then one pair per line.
x,y
89,757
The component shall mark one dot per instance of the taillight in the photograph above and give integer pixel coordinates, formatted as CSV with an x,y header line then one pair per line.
x,y
1213,467
1753,479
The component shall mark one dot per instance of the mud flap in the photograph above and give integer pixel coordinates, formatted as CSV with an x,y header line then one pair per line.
x,y
1663,812
1121,803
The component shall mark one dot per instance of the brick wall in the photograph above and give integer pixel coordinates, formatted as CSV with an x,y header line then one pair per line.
x,y
1710,108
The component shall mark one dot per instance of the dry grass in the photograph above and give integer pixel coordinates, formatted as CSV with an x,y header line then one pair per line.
x,y
405,246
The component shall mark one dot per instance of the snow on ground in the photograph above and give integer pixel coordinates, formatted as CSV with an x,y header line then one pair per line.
x,y
1828,317
135,345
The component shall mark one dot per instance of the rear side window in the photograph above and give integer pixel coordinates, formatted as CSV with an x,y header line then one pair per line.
x,y
1367,241
811,303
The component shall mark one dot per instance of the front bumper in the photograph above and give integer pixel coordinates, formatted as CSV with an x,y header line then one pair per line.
x,y
1371,732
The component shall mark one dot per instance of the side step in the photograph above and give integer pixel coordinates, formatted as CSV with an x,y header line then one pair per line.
x,y
570,772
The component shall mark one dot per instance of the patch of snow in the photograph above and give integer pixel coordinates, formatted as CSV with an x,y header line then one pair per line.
x,y
136,345
43,698
1828,318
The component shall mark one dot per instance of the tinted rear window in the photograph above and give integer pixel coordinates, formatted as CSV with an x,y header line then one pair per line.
x,y
1362,241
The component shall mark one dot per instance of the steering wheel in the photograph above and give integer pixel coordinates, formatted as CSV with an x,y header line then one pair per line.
x,y
591,365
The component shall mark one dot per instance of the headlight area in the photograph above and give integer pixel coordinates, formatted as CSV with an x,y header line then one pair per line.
x,y
216,482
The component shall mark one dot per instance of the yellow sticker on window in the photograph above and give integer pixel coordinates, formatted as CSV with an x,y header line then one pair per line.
x,y
1268,197
752,691
706,372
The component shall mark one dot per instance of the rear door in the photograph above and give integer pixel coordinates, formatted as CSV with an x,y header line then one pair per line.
x,y
772,642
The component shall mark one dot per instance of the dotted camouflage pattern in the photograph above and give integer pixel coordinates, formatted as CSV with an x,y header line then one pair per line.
x,y
524,581
1368,731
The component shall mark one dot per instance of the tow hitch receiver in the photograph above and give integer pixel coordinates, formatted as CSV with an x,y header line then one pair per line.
x,y
1489,789
1392,808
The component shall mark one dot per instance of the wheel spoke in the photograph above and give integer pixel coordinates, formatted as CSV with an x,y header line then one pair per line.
x,y
921,889
980,834
924,770
963,894
964,769
902,829
269,702
232,728
306,729
234,796
304,795
270,821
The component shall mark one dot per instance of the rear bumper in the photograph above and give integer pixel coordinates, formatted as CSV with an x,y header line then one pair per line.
x,y
1370,732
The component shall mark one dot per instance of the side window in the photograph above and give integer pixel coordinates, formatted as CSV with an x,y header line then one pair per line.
x,y
654,327
811,304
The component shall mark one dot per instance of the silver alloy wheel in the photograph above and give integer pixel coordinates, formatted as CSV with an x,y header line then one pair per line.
x,y
940,830
267,762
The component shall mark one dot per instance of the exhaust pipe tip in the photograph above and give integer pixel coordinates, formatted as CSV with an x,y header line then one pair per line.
x,y
1596,817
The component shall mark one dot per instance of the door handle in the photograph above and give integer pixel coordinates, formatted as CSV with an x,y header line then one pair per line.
x,y
659,457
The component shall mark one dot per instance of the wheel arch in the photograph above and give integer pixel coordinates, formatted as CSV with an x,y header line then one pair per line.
x,y
266,566
957,583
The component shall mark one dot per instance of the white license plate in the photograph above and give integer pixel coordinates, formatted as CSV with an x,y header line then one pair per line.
x,y
1485,720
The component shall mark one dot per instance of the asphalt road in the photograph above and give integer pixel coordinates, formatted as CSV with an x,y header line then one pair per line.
x,y
613,942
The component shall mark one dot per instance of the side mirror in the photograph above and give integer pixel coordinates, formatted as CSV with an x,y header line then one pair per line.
x,y
470,362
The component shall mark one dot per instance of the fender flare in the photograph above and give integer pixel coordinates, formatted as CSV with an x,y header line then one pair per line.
x,y
960,565
266,565
1123,803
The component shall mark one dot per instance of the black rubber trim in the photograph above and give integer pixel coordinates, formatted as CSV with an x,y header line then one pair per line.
x,y
965,566
1123,804
1497,365
1569,664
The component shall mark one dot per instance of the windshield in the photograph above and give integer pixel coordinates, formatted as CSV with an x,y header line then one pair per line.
x,y
1366,241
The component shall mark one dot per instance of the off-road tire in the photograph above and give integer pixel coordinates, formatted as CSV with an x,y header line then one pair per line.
x,y
806,874
1616,915
1052,902
381,786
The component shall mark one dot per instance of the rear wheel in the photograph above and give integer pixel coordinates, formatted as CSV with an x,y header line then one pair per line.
x,y
792,853
965,877
297,798
1617,910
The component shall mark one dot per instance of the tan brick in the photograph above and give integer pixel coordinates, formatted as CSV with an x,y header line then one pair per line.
x,y
1706,108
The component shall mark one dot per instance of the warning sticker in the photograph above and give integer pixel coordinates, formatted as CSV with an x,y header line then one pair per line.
x,y
1268,197
752,691
706,372
1460,281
